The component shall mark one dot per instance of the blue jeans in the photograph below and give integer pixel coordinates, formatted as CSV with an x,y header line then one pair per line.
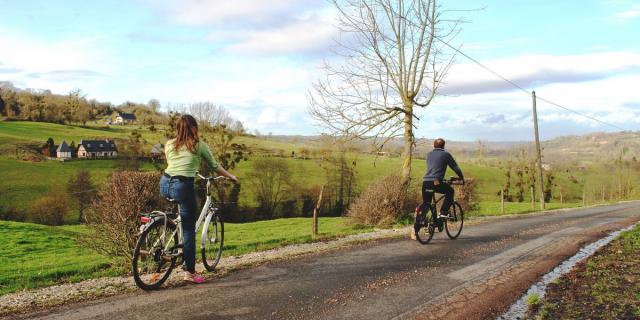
x,y
184,193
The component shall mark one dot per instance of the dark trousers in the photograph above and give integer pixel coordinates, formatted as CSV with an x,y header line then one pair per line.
x,y
184,193
428,190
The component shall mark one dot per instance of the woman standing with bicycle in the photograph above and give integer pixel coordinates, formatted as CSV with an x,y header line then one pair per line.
x,y
183,156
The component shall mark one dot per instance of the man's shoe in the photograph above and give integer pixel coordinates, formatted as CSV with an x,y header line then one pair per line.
x,y
440,224
443,215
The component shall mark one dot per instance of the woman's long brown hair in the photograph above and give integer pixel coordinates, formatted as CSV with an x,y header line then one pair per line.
x,y
187,133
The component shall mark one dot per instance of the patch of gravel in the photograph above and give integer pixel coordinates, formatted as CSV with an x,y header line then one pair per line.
x,y
37,299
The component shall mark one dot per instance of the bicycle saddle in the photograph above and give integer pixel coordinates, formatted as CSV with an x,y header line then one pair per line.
x,y
172,200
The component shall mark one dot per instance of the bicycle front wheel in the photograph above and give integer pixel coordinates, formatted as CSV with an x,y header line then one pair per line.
x,y
454,223
155,255
424,227
212,241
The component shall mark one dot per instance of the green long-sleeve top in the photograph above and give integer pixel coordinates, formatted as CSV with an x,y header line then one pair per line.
x,y
184,163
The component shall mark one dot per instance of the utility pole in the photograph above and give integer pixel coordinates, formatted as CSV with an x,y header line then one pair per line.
x,y
539,152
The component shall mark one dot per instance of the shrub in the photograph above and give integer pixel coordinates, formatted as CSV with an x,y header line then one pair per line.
x,y
49,210
11,214
466,195
382,203
113,215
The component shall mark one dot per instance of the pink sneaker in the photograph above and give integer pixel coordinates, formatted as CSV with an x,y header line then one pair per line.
x,y
193,277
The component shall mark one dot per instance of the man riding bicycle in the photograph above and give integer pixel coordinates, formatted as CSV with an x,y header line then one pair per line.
x,y
437,161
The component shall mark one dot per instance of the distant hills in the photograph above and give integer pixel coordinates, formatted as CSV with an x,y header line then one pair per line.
x,y
586,148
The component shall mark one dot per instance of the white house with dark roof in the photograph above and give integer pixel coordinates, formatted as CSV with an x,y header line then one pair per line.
x,y
63,151
157,150
96,149
125,118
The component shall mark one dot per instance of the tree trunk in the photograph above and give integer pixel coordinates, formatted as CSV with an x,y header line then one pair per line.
x,y
407,153
316,213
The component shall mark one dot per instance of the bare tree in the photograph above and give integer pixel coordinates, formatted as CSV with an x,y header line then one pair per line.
x,y
81,189
210,114
271,180
392,65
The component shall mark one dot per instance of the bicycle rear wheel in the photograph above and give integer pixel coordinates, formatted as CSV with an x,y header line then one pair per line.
x,y
154,256
212,241
424,226
454,223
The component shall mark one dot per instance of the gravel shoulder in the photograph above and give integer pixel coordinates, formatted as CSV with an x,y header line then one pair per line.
x,y
605,286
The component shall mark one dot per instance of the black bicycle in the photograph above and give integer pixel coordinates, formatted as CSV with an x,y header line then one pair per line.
x,y
425,225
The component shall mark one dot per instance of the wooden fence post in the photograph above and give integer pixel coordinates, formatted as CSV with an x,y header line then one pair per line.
x,y
533,199
316,212
561,197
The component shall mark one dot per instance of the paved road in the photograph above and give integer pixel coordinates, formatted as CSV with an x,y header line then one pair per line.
x,y
477,276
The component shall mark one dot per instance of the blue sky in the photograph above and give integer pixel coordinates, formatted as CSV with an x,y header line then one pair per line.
x,y
259,57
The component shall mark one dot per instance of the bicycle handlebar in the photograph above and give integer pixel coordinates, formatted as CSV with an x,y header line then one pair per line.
x,y
454,180
210,178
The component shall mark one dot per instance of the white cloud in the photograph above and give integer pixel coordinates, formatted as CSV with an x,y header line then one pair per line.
x,y
630,14
311,34
271,116
59,66
537,70
216,12
256,27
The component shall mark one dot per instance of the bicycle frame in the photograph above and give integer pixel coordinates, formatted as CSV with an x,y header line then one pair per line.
x,y
204,213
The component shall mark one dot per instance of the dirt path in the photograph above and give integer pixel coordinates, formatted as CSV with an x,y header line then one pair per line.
x,y
475,277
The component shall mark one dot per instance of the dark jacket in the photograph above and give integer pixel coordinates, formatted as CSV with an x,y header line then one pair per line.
x,y
437,162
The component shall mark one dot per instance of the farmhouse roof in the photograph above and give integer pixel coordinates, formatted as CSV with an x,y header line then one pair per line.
x,y
127,116
63,147
157,148
98,145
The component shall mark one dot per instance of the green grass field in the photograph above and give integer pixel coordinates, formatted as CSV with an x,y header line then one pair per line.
x,y
25,181
35,255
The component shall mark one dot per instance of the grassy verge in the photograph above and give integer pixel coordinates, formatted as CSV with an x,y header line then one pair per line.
x,y
36,256
606,286
492,208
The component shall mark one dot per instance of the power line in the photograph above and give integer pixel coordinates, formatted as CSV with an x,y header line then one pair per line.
x,y
581,114
483,66
525,90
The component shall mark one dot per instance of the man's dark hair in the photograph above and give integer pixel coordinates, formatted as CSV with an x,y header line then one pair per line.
x,y
438,143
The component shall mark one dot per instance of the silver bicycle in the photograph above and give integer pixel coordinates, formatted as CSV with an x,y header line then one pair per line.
x,y
159,246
